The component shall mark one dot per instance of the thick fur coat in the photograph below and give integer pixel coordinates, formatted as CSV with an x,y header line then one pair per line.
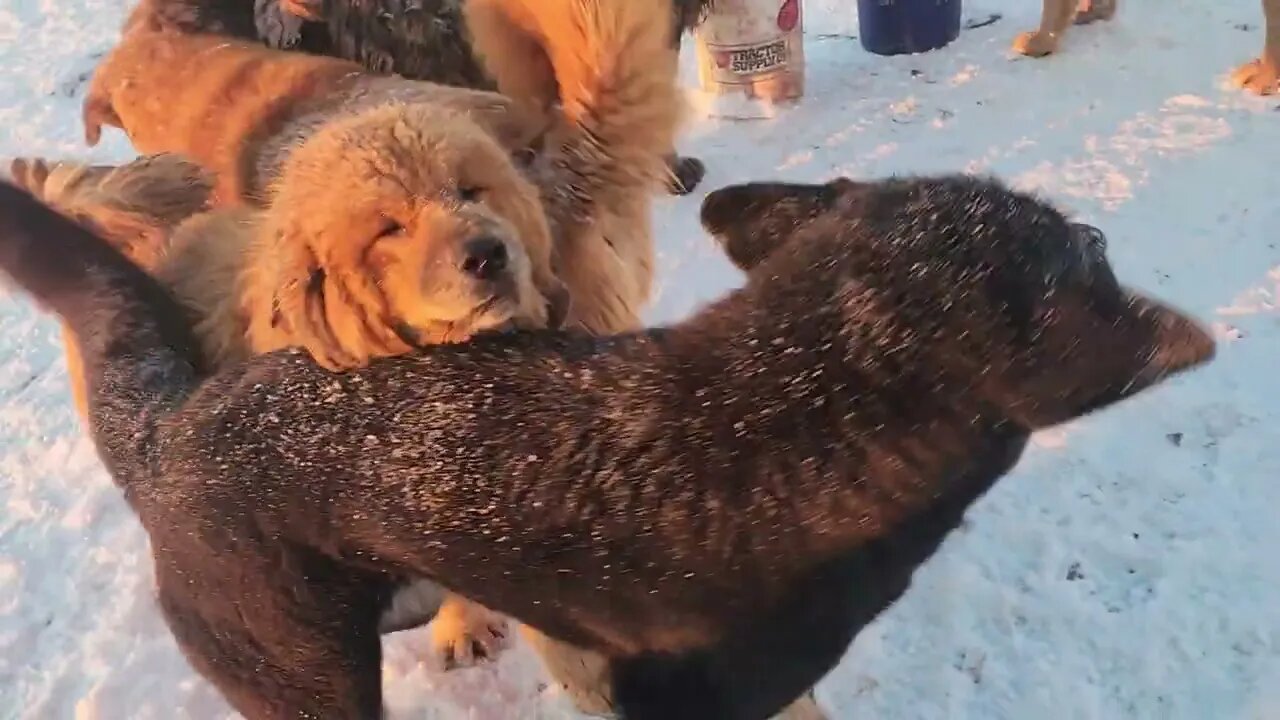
x,y
238,108
295,272
813,436
603,147
430,40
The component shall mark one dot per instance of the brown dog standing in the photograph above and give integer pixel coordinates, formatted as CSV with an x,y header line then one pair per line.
x,y
718,507
1260,76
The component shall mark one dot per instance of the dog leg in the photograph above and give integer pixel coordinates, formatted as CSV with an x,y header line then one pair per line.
x,y
686,173
1261,76
586,677
298,649
1055,18
583,675
464,634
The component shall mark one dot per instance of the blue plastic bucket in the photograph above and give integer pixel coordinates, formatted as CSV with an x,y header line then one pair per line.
x,y
898,27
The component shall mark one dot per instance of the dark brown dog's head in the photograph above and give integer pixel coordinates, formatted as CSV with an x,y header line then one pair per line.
x,y
993,291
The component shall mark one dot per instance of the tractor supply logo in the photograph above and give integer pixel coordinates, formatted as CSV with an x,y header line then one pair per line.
x,y
758,59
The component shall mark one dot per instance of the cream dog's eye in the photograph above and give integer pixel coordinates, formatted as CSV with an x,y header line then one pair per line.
x,y
470,193
389,227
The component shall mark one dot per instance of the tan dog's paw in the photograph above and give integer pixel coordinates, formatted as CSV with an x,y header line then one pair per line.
x,y
464,634
1260,76
1035,44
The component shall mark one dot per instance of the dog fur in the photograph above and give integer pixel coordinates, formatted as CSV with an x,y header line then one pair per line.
x,y
597,174
298,273
418,39
813,436
238,109
1260,76
596,167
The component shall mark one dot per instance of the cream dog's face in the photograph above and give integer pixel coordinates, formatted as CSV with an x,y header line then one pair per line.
x,y
405,226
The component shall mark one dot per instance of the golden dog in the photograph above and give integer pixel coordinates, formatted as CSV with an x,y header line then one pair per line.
x,y
1260,76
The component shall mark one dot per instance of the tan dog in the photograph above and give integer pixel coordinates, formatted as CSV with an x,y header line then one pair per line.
x,y
610,66
237,108
1260,76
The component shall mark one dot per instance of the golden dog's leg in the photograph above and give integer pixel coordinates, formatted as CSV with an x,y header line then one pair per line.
x,y
464,633
1261,76
585,676
1055,17
582,674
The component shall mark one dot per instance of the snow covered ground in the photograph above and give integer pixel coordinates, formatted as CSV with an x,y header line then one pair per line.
x,y
1127,569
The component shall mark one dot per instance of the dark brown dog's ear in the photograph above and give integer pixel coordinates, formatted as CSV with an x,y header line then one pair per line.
x,y
752,220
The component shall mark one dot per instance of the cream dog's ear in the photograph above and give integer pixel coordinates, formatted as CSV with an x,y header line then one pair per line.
x,y
327,303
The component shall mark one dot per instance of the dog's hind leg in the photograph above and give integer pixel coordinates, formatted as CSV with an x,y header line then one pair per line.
x,y
300,644
1261,76
1055,17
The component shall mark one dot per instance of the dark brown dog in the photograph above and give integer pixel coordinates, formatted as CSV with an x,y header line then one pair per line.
x,y
1260,76
418,39
812,437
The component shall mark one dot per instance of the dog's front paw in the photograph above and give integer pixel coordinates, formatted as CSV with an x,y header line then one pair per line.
x,y
686,173
277,25
465,634
1035,44
1260,76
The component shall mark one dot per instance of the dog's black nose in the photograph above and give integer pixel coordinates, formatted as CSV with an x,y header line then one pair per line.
x,y
484,258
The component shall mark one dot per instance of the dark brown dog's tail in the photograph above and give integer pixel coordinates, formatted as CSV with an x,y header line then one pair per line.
x,y
612,67
141,358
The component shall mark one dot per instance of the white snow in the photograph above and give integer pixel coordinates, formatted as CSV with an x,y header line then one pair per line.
x,y
1128,568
